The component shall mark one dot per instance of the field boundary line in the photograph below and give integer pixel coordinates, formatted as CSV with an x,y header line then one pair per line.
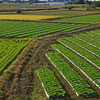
x,y
43,86
87,43
77,67
84,48
90,39
94,35
61,74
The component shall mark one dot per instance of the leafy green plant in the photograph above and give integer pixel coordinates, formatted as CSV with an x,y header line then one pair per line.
x,y
50,83
81,51
74,79
82,64
33,29
9,51
87,46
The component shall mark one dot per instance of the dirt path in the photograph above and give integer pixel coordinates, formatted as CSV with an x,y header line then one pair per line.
x,y
23,84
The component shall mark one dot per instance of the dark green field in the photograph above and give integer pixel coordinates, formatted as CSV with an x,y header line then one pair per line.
x,y
34,29
85,19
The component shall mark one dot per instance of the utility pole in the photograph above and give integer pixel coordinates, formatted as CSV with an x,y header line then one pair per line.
x,y
94,3
19,10
20,6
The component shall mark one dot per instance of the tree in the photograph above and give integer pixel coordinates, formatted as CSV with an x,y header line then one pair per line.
x,y
97,3
80,2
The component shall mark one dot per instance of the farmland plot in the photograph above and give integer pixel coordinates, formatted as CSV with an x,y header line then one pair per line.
x,y
88,41
34,29
90,72
9,49
77,83
83,54
86,19
51,85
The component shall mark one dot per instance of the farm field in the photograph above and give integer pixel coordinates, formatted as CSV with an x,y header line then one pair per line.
x,y
9,49
61,12
26,17
80,55
34,29
43,60
50,83
86,19
77,83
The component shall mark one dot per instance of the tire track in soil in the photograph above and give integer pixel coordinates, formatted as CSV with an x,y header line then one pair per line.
x,y
24,85
20,82
9,85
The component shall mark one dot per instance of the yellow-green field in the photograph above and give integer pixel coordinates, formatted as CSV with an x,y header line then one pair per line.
x,y
27,17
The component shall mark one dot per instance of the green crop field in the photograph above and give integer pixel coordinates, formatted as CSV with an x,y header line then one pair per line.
x,y
86,19
34,29
50,83
9,50
76,81
84,55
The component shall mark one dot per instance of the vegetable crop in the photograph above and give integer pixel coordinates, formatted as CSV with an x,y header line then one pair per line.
x,y
33,29
87,46
77,82
50,83
81,51
9,49
87,40
82,64
86,19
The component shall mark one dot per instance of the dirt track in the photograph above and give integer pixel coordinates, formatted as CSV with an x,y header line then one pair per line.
x,y
23,84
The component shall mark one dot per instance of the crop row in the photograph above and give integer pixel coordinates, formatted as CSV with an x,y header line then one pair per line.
x,y
81,51
85,67
87,46
9,49
91,37
33,29
73,78
87,19
50,83
87,40
95,33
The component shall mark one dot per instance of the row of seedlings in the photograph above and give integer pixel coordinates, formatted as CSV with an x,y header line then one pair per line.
x,y
9,49
50,83
81,52
96,33
26,29
87,41
78,84
88,47
91,37
90,72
